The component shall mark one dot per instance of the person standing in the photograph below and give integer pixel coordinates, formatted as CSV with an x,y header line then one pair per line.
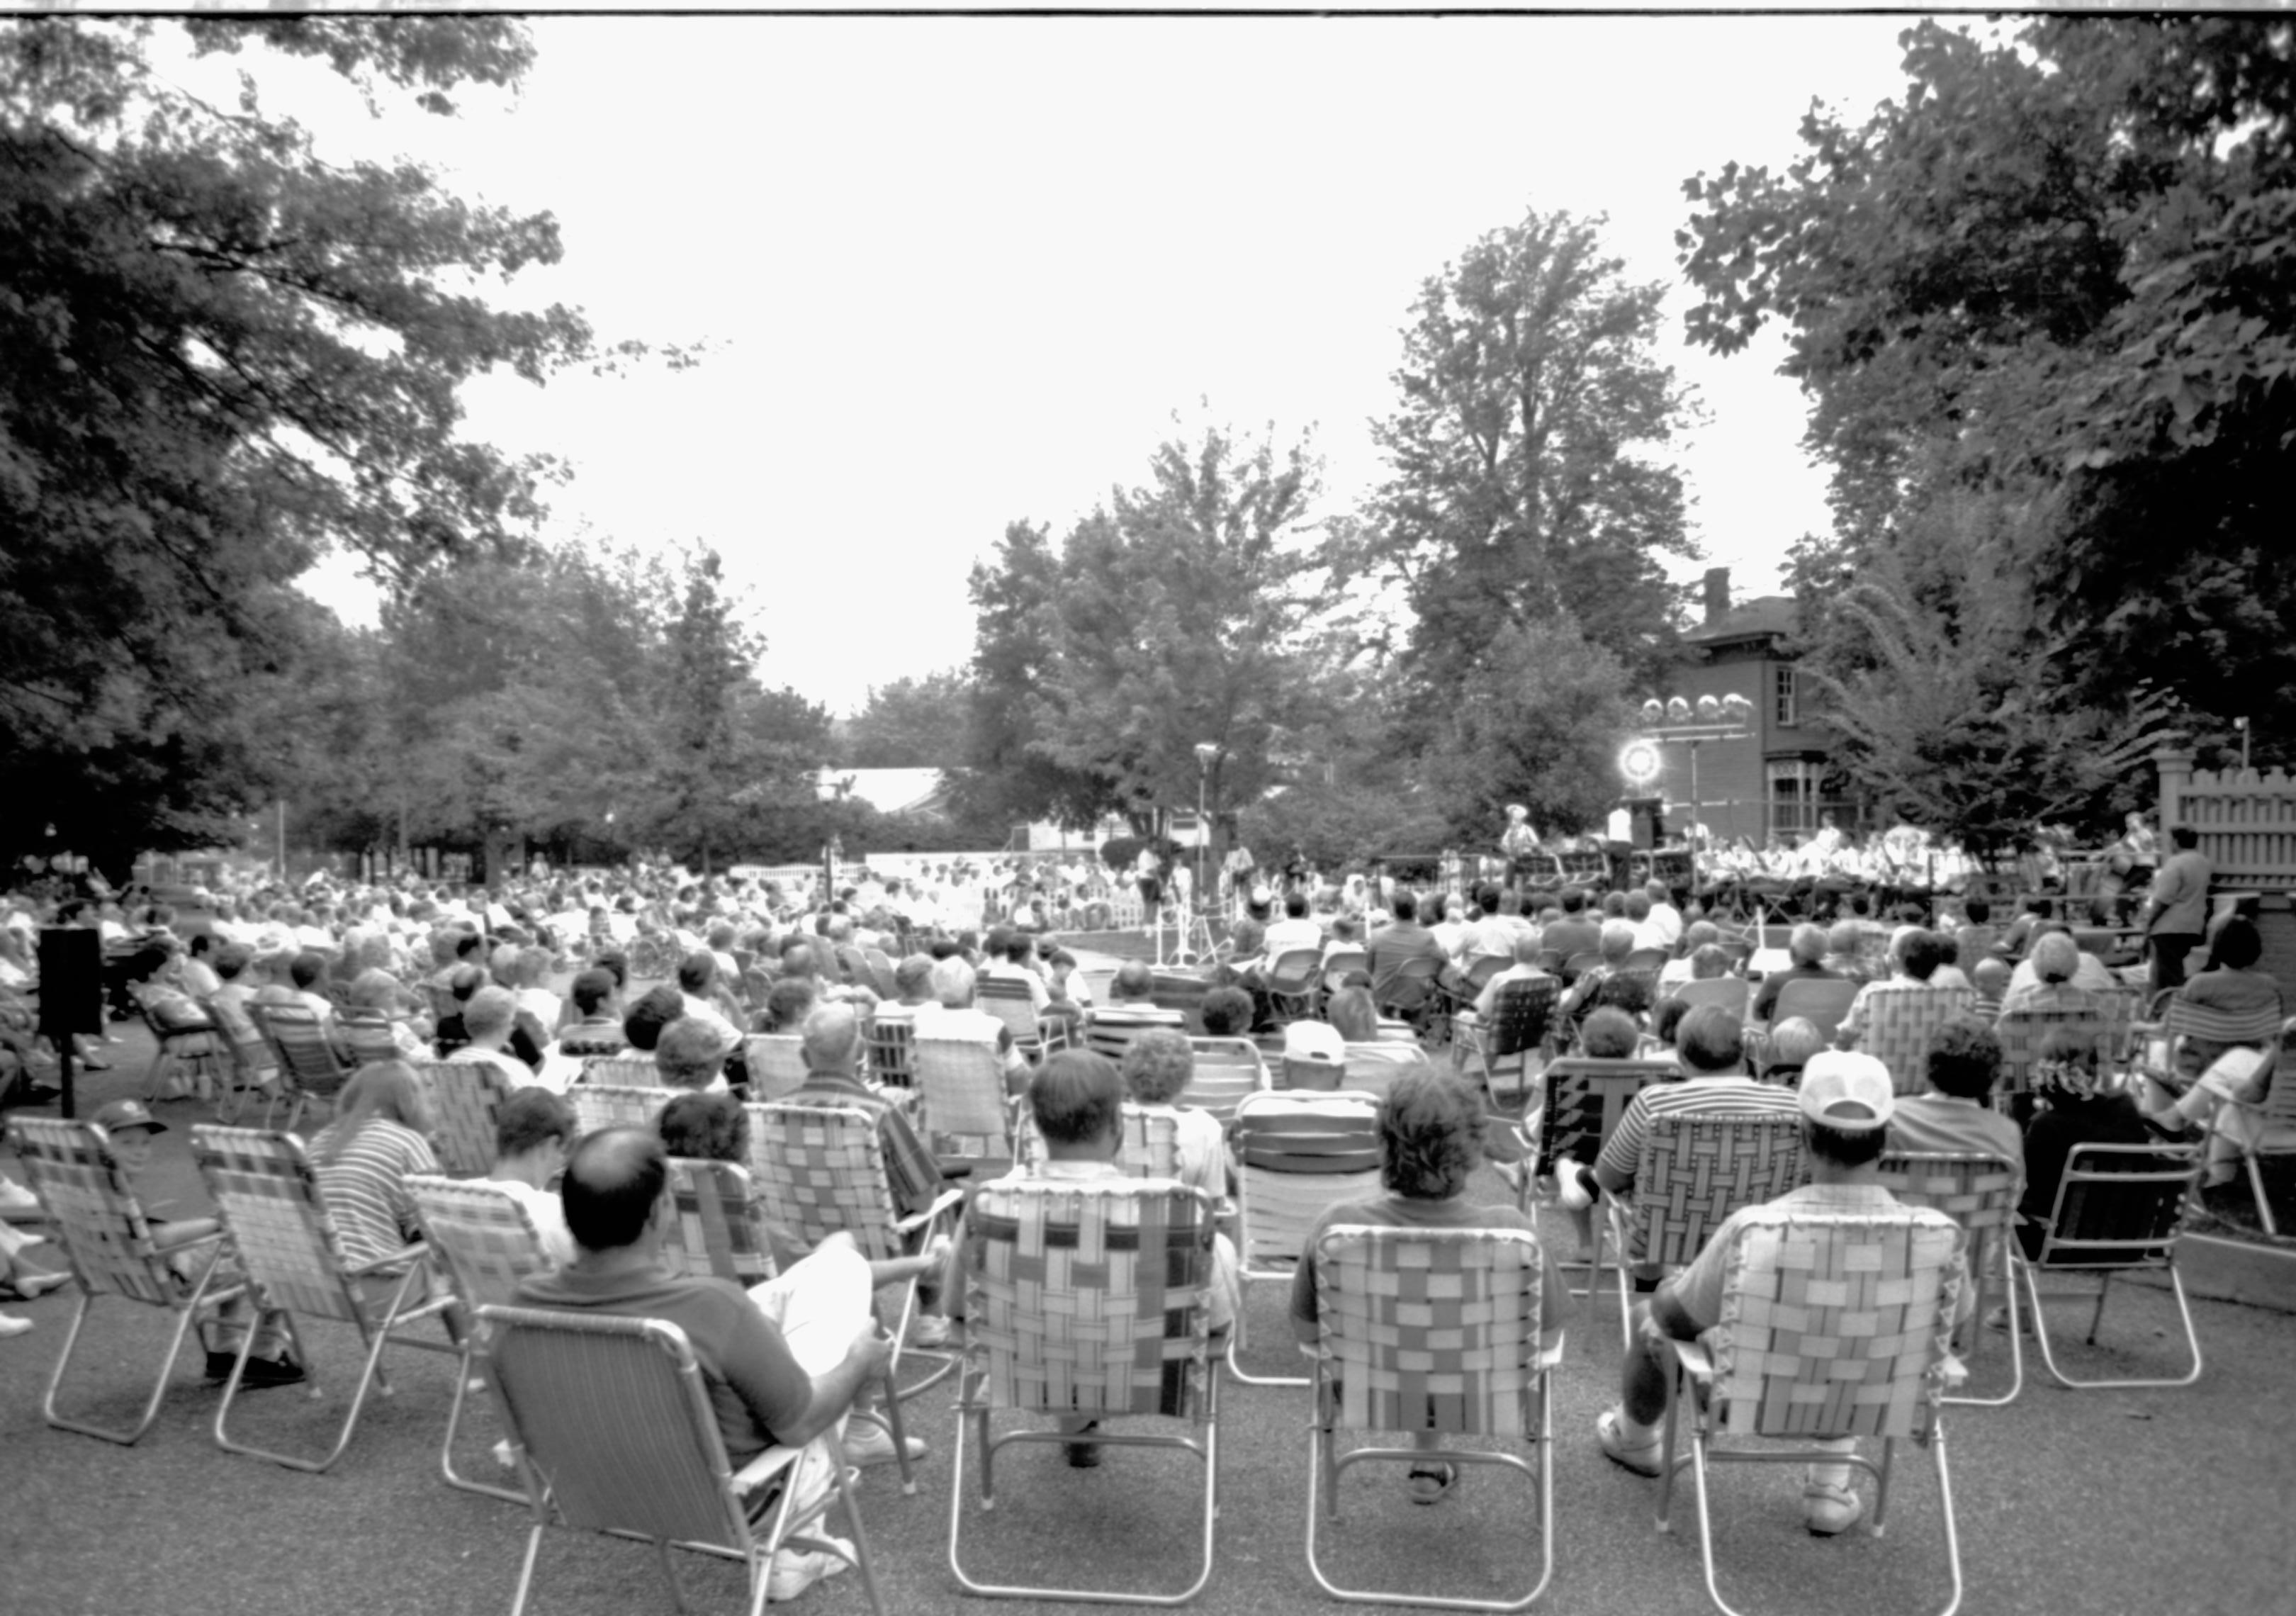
x,y
2177,914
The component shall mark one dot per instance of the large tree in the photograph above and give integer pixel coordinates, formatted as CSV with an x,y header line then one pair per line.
x,y
2059,274
225,357
912,723
1527,480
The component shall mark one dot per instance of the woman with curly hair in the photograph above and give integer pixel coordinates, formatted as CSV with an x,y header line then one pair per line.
x,y
1157,1066
1430,1135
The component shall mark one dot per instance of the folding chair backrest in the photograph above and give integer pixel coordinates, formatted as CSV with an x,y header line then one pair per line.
x,y
1697,1170
1371,1069
267,1191
1652,960
1836,1324
598,1105
819,1168
2119,1206
1227,1071
1009,1000
1977,1191
1295,970
1151,1143
890,1042
466,1096
777,1064
1899,1023
1586,1096
621,1071
481,1235
960,1091
1177,990
1412,985
1428,1330
614,1417
1521,1011
714,1233
1730,992
368,1033
1337,966
96,1219
2183,1019
1298,1155
251,1051
2020,1032
1090,1299
300,1041
1821,1003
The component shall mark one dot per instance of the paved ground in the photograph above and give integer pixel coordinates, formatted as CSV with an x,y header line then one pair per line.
x,y
2172,1501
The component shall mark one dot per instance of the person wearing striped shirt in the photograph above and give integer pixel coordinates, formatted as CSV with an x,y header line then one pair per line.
x,y
1710,1045
363,1156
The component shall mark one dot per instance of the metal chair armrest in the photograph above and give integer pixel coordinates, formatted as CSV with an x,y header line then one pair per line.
x,y
762,1469
942,1203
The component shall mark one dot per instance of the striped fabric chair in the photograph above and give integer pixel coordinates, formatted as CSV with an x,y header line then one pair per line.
x,y
2119,1211
1898,1024
620,1072
188,1042
1009,1000
820,1170
254,1068
266,1191
715,1232
961,1093
1978,1192
1512,1043
106,1239
481,1239
891,1043
598,1105
777,1064
1151,1144
1112,1028
1429,1329
466,1097
1694,1171
368,1033
1297,1155
1089,1299
1228,1071
1833,1324
2020,1032
308,1067
596,1402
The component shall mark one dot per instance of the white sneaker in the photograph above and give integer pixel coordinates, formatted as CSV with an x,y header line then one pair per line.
x,y
1574,1187
10,1324
870,1443
929,1329
15,1198
794,1572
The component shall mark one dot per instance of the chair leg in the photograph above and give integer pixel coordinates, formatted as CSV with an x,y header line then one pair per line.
x,y
526,1566
2048,1353
2263,1201
1235,1344
463,1373
669,1575
2016,1344
370,1375
133,1434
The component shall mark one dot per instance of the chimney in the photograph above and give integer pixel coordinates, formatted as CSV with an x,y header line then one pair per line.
x,y
1717,592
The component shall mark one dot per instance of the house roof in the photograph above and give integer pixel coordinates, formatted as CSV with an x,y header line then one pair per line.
x,y
1771,615
888,790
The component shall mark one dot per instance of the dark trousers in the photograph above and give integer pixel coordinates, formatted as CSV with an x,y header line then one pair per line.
x,y
2168,951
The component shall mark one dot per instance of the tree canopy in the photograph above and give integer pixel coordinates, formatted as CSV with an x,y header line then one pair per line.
x,y
227,358
2060,274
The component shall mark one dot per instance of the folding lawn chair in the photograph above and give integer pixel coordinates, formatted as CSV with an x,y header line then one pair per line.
x,y
1522,1013
620,1072
598,1105
466,1097
2118,1210
109,1246
1228,1071
891,1041
1978,1192
1821,1003
1292,982
1089,1299
1899,1023
268,1194
1429,1329
308,1067
715,1232
777,1064
617,1435
1151,1143
1297,1155
481,1239
961,1094
1586,1096
1834,1324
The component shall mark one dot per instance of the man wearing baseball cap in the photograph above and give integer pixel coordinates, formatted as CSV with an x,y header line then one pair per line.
x,y
1846,1101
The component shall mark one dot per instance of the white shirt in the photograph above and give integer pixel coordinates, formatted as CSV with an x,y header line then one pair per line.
x,y
1667,920
549,1215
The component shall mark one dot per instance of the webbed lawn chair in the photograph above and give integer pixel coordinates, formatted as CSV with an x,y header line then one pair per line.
x,y
1429,1329
1978,1192
1151,1143
1092,1300
1834,1324
960,1091
108,1243
890,1042
1586,1096
620,1072
308,1066
481,1239
268,1194
466,1097
777,1064
598,1105
1513,1041
714,1233
596,1403
1297,1154
1228,1071
1898,1024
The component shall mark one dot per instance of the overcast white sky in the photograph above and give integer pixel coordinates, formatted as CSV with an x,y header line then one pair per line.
x,y
962,270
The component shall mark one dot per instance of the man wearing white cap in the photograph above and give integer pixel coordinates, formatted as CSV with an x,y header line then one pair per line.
x,y
1846,1102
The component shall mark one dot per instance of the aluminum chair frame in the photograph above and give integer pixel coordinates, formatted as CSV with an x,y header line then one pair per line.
x,y
851,1193
307,1067
1009,1000
960,1087
1416,1314
482,1238
1229,1071
2273,1119
1586,1096
1294,980
715,1232
251,1051
565,1496
1899,1022
466,1097
1978,1192
1150,1149
1695,1170
1719,1368
2163,1193
266,1193
1416,988
1522,1015
1340,1126
169,1054
368,1033
109,1246
1032,1240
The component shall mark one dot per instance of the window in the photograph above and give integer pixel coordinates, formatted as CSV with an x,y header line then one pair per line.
x,y
1785,696
1793,798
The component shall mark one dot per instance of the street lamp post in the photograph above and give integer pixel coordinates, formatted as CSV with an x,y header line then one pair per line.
x,y
1206,752
1711,718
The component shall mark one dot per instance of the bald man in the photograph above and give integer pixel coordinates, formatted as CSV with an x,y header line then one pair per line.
x,y
782,1361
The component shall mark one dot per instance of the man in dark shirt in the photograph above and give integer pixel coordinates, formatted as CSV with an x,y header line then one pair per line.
x,y
1394,945
1807,950
1574,933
